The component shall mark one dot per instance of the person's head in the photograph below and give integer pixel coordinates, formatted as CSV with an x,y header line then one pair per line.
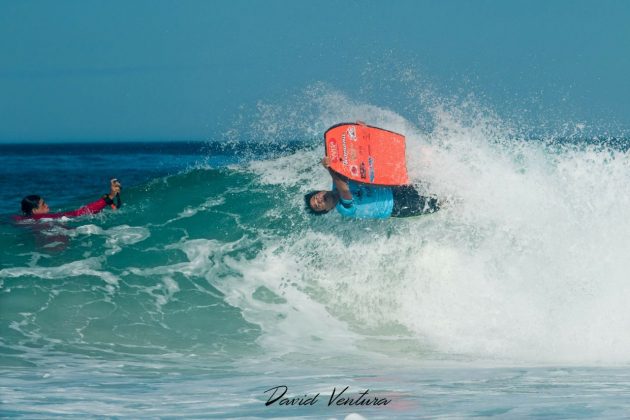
x,y
34,204
319,202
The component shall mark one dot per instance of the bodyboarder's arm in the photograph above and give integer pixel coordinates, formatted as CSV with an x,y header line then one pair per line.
x,y
338,180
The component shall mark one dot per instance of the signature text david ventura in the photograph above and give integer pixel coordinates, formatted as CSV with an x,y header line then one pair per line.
x,y
337,398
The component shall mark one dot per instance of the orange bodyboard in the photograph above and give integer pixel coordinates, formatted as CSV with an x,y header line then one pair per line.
x,y
367,154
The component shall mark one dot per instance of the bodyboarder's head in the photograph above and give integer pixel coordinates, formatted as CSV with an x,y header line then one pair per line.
x,y
320,202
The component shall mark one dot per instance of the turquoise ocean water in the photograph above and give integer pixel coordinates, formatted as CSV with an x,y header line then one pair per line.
x,y
212,286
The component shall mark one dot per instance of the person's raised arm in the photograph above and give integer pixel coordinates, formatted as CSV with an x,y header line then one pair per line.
x,y
338,180
100,204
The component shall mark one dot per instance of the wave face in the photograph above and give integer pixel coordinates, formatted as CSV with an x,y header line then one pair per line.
x,y
525,263
217,266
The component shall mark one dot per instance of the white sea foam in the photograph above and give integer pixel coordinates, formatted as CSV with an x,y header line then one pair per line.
x,y
292,320
191,211
86,267
116,237
527,261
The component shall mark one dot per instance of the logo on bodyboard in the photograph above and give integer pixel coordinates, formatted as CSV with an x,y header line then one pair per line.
x,y
344,147
352,133
334,153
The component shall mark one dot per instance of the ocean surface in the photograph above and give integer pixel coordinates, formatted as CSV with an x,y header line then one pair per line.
x,y
211,289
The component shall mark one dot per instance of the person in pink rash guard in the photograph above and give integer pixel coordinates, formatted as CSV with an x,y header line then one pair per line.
x,y
34,207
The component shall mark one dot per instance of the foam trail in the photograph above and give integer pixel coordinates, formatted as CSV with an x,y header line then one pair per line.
x,y
86,267
292,320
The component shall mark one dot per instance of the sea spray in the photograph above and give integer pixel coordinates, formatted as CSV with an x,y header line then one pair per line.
x,y
523,263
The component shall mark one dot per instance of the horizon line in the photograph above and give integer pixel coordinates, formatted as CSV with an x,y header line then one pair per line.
x,y
66,141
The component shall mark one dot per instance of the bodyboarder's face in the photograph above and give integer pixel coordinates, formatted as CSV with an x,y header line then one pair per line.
x,y
322,201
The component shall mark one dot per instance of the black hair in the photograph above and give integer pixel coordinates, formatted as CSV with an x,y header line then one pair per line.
x,y
307,201
29,203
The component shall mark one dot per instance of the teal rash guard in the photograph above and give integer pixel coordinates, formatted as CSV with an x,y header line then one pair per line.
x,y
368,202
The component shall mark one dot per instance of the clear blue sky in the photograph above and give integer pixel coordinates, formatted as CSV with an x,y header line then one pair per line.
x,y
163,70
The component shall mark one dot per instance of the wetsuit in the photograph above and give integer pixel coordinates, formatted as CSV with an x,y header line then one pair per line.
x,y
376,202
91,208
